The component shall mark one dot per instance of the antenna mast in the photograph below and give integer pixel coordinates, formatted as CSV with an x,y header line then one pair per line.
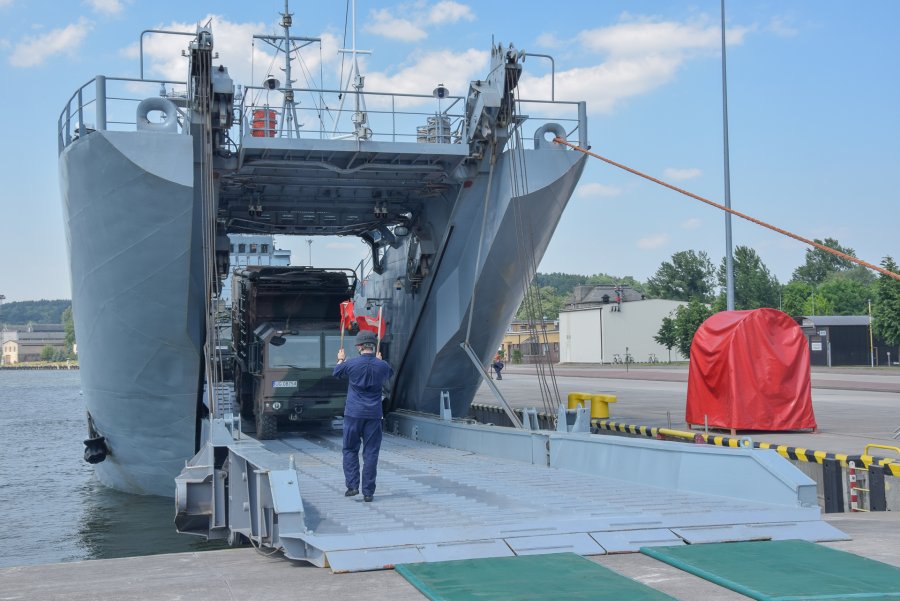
x,y
283,44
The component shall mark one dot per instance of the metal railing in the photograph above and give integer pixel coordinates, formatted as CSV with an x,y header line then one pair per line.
x,y
114,110
109,103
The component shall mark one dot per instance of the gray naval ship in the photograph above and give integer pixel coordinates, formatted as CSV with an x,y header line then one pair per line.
x,y
457,197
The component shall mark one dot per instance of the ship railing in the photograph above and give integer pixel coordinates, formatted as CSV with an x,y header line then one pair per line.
x,y
332,114
110,103
393,117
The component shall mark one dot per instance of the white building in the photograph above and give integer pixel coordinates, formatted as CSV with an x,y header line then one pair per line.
x,y
595,328
252,249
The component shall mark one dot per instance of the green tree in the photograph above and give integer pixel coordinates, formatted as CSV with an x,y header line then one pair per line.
x,y
818,304
667,336
845,295
794,296
820,264
886,309
754,284
541,302
41,311
687,319
69,328
599,279
689,275
563,283
48,353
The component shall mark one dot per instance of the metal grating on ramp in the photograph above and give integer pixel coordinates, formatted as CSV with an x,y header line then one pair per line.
x,y
439,503
454,490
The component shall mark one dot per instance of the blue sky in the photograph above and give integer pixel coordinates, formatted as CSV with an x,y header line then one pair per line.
x,y
814,107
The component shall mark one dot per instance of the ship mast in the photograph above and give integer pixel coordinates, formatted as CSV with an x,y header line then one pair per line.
x,y
360,129
283,43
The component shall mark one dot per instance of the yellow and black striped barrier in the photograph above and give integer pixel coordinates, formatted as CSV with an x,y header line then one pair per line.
x,y
891,466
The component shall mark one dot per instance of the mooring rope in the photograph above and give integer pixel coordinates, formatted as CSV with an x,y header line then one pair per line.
x,y
774,228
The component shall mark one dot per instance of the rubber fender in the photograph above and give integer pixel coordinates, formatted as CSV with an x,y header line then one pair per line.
x,y
540,140
163,105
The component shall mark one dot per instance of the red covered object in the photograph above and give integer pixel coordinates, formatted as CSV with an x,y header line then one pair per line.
x,y
750,371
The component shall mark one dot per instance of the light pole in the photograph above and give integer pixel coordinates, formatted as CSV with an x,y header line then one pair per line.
x,y
309,242
729,260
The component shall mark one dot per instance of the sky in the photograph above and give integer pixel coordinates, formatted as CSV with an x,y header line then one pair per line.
x,y
813,107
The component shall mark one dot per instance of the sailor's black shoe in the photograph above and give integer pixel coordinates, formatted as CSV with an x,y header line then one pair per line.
x,y
368,498
351,492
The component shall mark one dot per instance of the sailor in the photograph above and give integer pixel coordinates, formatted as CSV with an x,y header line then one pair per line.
x,y
367,375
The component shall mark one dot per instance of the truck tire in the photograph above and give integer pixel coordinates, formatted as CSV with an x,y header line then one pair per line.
x,y
266,426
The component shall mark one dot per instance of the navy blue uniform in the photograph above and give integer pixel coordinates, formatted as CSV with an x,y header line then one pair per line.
x,y
367,375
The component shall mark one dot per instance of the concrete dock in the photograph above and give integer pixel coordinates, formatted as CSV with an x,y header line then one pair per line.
x,y
866,410
247,575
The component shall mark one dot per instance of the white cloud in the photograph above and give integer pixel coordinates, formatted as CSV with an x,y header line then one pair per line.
x,y
411,27
457,70
647,36
34,50
606,84
549,40
691,224
388,26
594,190
232,41
5,3
447,11
782,27
679,175
642,55
107,7
652,242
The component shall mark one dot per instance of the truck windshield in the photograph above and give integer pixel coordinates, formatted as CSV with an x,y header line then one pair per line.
x,y
332,344
297,351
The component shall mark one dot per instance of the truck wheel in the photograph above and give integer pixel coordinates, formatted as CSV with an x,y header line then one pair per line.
x,y
266,426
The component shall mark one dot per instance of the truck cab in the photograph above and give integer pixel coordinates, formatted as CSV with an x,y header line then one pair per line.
x,y
295,382
287,332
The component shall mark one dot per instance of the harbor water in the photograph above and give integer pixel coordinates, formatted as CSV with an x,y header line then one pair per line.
x,y
54,508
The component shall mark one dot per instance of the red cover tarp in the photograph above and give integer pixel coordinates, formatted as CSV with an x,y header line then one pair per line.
x,y
749,370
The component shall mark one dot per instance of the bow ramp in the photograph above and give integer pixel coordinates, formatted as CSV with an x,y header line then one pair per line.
x,y
457,490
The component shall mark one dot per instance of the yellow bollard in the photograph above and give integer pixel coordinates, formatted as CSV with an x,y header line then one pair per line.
x,y
600,405
577,398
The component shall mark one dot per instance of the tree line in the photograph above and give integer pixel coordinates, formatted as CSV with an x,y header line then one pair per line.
x,y
39,311
43,312
824,284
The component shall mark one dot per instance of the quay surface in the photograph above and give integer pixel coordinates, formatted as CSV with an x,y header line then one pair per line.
x,y
247,575
853,406
866,410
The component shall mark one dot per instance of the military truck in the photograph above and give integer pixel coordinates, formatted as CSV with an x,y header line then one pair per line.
x,y
286,332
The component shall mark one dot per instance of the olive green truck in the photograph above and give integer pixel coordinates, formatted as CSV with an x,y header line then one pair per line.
x,y
286,332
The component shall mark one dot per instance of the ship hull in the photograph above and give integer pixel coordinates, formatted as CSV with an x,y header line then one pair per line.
x,y
485,263
133,236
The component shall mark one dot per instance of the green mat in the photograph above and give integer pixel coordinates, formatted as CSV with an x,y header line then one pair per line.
x,y
785,570
556,576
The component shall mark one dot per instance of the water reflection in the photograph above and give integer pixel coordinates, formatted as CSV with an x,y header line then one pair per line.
x,y
116,524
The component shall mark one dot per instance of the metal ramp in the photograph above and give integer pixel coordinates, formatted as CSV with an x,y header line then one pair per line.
x,y
501,492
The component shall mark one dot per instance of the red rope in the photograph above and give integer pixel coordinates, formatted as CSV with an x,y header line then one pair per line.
x,y
828,249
